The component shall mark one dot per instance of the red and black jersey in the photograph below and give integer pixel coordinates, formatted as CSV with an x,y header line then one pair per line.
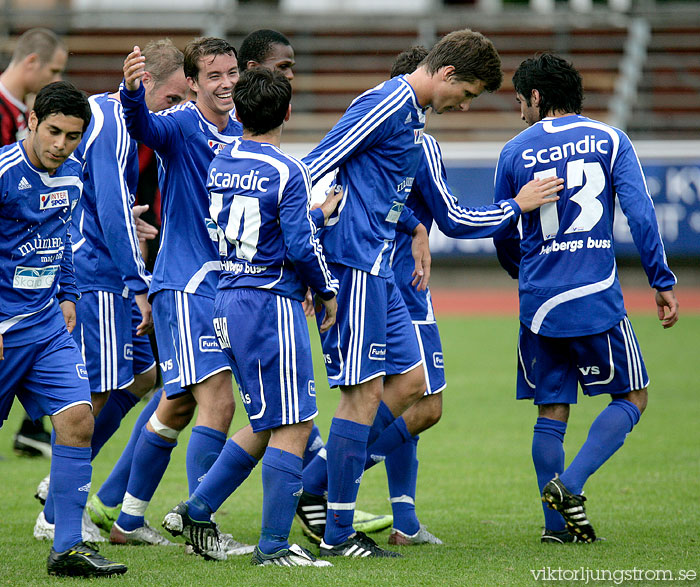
x,y
13,123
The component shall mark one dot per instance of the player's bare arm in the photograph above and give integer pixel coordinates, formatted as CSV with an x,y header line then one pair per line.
x,y
134,68
539,192
2,356
146,326
667,308
331,311
420,249
68,310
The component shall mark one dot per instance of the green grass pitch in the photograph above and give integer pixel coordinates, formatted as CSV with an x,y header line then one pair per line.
x,y
476,485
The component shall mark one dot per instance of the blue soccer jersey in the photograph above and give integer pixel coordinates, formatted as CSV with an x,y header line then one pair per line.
x,y
376,147
567,270
431,200
35,247
106,248
185,143
260,205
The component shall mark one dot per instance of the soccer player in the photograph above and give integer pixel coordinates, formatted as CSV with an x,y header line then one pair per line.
x,y
38,59
267,48
259,199
114,314
195,371
573,324
372,353
39,360
430,200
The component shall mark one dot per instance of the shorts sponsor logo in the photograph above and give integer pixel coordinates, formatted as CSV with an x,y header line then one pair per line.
x,y
377,352
327,359
166,365
438,362
82,371
245,397
591,370
129,352
57,199
221,329
34,277
312,388
208,344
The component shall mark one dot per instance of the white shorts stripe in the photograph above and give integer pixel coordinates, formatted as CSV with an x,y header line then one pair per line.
x,y
280,339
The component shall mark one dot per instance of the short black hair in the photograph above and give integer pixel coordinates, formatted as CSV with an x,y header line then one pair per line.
x,y
62,98
256,46
203,47
409,60
558,82
262,98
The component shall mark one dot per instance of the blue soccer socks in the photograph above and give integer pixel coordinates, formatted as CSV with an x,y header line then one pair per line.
x,y
281,479
71,472
202,450
230,470
151,458
346,451
548,458
606,435
402,475
113,489
391,438
110,417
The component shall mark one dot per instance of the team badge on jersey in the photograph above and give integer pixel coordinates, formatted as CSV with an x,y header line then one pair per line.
x,y
57,199
216,146
417,136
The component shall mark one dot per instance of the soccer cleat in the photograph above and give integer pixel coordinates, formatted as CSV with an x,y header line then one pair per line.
x,y
398,538
103,516
311,515
82,560
294,556
557,536
43,530
144,535
42,490
233,547
32,440
368,523
203,537
358,545
570,506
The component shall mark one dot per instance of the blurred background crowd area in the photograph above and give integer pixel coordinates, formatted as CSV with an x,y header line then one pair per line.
x,y
640,61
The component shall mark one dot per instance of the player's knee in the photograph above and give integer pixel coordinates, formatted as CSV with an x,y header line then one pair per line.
x,y
163,430
143,383
433,413
554,412
639,397
74,426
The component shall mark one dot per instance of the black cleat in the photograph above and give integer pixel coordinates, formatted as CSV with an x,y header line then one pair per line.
x,y
557,537
82,560
294,556
358,545
203,537
570,506
32,440
311,515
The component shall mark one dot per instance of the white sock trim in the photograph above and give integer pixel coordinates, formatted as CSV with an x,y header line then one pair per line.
x,y
402,499
161,429
134,506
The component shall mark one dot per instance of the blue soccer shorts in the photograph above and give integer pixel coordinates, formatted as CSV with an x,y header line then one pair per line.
x,y
187,347
550,369
266,339
373,335
47,377
430,346
105,333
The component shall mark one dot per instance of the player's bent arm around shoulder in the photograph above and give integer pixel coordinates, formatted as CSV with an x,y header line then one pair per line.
x,y
638,208
153,130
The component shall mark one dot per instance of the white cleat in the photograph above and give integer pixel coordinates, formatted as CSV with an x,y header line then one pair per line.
x,y
43,530
421,537
42,490
294,556
232,547
144,535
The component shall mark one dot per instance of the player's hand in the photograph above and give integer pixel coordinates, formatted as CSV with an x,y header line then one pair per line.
x,y
134,68
331,311
146,326
333,197
144,230
667,308
308,304
538,192
2,356
420,249
69,317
